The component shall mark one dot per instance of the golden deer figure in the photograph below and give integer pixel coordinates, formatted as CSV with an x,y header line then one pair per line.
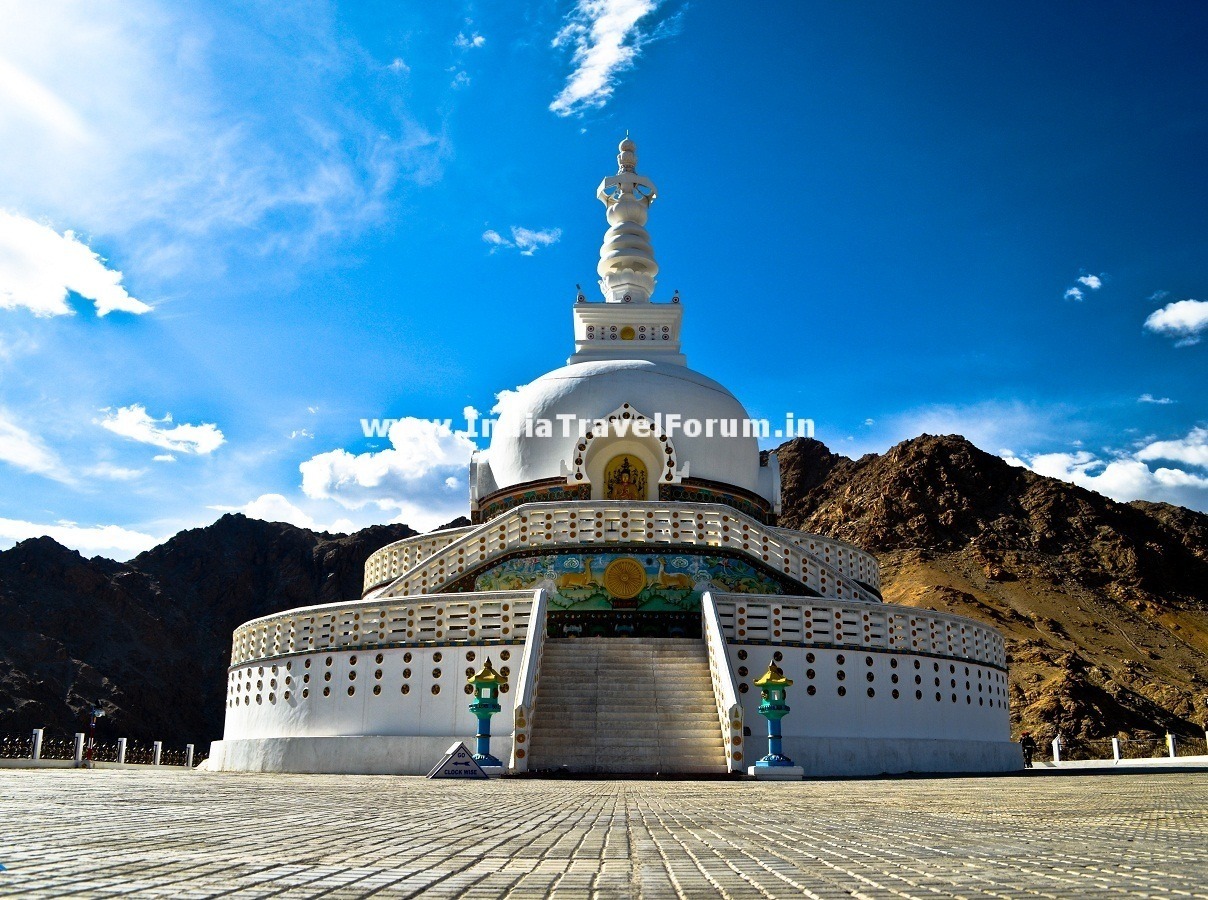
x,y
578,579
675,581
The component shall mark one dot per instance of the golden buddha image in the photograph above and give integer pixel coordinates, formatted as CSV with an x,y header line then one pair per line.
x,y
625,479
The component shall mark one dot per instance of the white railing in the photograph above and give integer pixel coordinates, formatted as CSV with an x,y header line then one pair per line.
x,y
853,562
526,684
385,564
725,692
752,618
545,525
366,624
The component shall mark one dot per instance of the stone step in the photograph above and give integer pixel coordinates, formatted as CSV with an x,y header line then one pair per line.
x,y
629,706
693,701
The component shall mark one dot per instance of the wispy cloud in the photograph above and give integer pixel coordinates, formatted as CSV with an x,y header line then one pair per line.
x,y
1073,294
606,41
525,240
1185,320
465,41
130,121
39,266
1150,398
26,451
135,423
398,65
1094,282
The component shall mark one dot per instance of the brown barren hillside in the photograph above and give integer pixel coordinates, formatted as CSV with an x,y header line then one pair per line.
x,y
1104,605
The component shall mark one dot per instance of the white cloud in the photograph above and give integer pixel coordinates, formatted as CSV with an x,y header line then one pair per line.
x,y
301,433
1150,398
1192,449
116,473
1094,282
460,80
38,266
421,476
1073,294
278,508
27,451
1127,476
135,423
606,40
397,65
112,541
163,457
525,240
465,41
1183,319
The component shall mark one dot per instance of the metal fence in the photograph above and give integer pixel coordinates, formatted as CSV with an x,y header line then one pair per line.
x,y
1142,747
27,746
16,746
58,749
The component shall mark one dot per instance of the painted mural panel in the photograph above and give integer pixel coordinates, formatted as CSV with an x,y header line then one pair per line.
x,y
671,582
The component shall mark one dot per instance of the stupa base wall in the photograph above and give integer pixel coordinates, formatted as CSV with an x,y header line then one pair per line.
x,y
855,756
343,755
416,755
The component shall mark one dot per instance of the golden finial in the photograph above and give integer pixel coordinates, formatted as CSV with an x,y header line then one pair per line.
x,y
487,675
773,677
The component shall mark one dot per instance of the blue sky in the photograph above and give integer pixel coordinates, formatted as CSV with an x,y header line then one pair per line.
x,y
890,218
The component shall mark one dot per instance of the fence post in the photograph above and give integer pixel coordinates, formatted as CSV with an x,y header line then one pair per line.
x,y
1170,744
1116,749
79,748
121,751
1056,750
158,749
35,752
188,756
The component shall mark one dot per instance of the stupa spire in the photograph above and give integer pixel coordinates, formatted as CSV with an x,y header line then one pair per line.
x,y
627,267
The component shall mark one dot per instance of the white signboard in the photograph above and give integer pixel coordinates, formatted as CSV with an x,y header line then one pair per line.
x,y
457,763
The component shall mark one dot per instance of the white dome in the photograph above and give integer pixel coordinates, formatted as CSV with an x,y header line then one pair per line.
x,y
593,390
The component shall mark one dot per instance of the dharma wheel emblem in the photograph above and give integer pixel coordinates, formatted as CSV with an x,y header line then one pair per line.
x,y
625,578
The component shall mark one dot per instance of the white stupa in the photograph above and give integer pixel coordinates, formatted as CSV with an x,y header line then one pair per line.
x,y
625,576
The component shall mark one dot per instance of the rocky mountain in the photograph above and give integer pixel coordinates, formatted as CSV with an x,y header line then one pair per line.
x,y
1104,605
149,640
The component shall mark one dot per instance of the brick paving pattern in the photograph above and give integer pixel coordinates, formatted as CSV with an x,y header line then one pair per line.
x,y
192,835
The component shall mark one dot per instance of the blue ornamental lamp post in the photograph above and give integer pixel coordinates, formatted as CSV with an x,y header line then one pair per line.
x,y
772,691
486,683
772,706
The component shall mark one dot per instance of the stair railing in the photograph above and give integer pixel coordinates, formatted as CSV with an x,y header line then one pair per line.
x,y
725,691
526,685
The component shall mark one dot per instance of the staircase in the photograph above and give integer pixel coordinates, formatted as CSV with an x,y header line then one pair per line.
x,y
626,706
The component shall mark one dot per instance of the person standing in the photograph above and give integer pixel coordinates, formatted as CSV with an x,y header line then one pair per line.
x,y
1028,745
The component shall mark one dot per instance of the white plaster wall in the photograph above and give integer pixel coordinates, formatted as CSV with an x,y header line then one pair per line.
x,y
855,715
369,755
873,756
419,712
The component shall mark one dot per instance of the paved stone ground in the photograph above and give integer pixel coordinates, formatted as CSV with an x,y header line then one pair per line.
x,y
185,835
